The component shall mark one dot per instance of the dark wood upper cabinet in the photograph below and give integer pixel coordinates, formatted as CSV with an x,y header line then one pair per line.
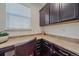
x,y
54,12
68,11
58,12
42,21
44,15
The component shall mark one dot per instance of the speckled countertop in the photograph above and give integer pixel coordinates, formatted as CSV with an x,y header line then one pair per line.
x,y
74,47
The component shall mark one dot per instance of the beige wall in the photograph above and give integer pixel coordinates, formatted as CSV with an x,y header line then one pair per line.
x,y
68,30
35,28
2,17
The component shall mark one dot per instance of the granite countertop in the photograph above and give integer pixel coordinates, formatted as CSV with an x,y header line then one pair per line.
x,y
74,47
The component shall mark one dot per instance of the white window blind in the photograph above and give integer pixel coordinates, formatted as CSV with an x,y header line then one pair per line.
x,y
17,17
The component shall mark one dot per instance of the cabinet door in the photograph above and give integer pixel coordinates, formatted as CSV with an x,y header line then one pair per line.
x,y
54,12
26,49
20,50
42,20
31,48
44,15
67,11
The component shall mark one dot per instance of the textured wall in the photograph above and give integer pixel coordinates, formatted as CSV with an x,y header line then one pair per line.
x,y
67,30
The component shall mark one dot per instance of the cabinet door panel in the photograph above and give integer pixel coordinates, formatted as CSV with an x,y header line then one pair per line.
x,y
44,15
31,48
54,12
67,11
26,49
42,20
21,50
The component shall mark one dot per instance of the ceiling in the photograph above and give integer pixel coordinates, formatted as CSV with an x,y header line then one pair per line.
x,y
37,4
34,4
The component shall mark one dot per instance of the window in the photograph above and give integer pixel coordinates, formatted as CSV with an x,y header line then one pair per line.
x,y
18,17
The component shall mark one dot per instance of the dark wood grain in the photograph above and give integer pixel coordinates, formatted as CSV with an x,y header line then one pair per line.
x,y
54,12
44,15
26,49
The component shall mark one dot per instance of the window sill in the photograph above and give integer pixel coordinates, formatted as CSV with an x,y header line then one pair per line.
x,y
18,29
